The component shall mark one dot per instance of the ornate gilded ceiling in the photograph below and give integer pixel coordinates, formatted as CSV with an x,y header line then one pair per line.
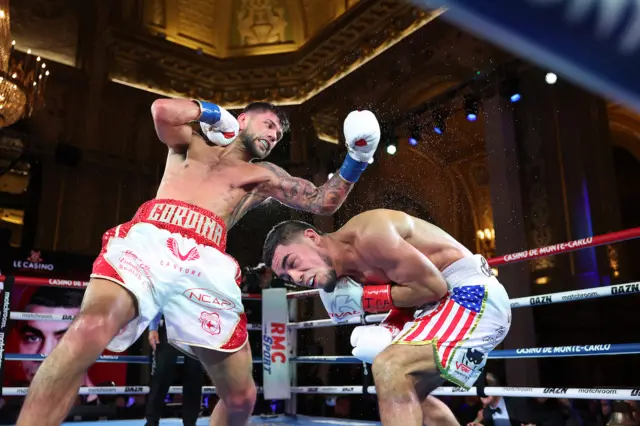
x,y
231,28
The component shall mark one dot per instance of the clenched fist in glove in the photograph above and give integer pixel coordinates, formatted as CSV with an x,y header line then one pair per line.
x,y
369,340
362,135
344,303
351,299
218,125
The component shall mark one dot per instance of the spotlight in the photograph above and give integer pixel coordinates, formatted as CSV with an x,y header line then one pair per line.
x,y
551,78
371,160
330,176
471,108
391,149
510,90
414,133
439,125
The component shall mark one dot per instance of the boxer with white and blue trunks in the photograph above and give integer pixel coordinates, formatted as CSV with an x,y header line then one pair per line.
x,y
171,258
447,309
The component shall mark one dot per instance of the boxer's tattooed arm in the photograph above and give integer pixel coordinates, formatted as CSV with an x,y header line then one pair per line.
x,y
302,194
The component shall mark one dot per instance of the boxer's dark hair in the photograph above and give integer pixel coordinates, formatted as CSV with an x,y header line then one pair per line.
x,y
266,106
282,234
53,297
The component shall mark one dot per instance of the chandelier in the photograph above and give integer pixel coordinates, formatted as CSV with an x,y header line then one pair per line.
x,y
23,77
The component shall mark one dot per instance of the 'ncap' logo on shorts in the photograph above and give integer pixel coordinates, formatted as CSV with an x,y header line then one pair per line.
x,y
210,322
209,299
192,254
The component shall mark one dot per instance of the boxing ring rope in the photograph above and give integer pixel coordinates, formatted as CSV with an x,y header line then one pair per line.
x,y
573,393
543,352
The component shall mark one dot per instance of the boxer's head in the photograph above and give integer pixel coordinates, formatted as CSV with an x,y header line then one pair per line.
x,y
262,125
293,251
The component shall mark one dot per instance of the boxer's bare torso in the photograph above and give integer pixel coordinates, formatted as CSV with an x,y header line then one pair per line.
x,y
374,236
222,181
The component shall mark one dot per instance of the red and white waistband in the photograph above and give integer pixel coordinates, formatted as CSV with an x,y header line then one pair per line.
x,y
185,219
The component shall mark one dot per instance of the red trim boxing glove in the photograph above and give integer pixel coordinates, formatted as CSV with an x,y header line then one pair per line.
x,y
377,298
396,320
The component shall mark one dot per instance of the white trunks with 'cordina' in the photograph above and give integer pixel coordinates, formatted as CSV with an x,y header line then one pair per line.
x,y
171,257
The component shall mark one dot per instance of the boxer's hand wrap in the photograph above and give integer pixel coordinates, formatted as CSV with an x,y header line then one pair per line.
x,y
218,125
368,341
362,135
345,302
209,112
377,298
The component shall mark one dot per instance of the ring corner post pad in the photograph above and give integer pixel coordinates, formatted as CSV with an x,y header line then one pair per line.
x,y
275,346
4,321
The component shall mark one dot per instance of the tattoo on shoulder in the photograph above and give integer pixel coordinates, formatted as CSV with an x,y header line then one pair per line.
x,y
304,195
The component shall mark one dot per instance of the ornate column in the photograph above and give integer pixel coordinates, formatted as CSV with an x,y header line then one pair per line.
x,y
92,58
510,233
566,148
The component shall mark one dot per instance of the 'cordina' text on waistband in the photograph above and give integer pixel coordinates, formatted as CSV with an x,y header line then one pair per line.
x,y
186,218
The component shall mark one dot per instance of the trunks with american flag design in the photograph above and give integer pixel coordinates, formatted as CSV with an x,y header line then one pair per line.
x,y
470,321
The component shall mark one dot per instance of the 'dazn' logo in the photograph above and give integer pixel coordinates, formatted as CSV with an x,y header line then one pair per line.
x,y
192,254
210,322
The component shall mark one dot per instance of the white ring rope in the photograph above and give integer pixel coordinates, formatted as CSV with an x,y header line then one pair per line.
x,y
32,316
520,302
523,392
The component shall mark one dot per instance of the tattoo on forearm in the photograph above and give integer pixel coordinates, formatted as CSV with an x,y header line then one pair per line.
x,y
304,195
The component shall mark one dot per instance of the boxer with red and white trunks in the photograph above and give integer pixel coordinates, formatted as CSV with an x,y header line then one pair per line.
x,y
171,258
447,309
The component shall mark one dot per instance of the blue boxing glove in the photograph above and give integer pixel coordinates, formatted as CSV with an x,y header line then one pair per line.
x,y
217,124
362,135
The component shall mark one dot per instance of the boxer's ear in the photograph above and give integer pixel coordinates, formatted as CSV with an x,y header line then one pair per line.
x,y
312,235
243,120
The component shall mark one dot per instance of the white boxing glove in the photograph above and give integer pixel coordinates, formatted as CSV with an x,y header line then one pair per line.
x,y
345,302
362,135
217,124
368,341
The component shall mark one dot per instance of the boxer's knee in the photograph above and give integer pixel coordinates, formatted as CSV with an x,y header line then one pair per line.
x,y
241,399
91,330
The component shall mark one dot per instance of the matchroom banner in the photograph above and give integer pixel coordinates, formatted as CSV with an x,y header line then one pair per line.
x,y
275,345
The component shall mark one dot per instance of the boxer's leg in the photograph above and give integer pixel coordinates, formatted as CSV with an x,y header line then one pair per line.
x,y
436,413
232,375
404,375
106,308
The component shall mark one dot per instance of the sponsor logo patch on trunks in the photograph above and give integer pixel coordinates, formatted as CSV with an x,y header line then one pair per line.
x,y
208,298
210,322
176,267
186,218
466,365
192,254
